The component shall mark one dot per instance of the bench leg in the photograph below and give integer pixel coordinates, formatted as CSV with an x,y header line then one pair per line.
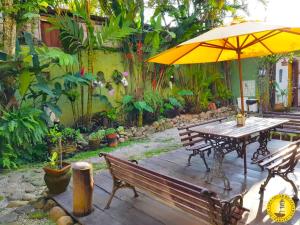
x,y
263,186
117,185
115,188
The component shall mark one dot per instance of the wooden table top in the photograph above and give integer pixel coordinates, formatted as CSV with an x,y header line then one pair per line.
x,y
231,130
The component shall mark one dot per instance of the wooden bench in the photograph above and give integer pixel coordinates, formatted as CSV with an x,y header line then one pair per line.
x,y
194,143
292,128
281,163
192,199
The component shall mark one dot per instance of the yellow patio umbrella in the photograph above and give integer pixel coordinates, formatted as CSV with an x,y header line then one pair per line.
x,y
236,41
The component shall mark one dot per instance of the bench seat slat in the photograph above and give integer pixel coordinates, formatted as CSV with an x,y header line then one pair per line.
x,y
191,137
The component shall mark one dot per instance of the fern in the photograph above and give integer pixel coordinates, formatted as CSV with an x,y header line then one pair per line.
x,y
20,130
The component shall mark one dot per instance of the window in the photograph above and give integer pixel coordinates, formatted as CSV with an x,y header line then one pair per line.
x,y
280,75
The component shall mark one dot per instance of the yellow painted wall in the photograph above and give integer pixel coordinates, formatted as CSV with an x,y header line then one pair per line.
x,y
106,62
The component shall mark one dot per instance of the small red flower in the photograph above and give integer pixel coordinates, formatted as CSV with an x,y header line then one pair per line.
x,y
82,71
129,56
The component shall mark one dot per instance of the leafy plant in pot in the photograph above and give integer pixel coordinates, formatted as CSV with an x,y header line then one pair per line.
x,y
95,138
57,173
112,137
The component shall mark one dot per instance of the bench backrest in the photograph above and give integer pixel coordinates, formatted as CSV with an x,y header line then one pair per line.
x,y
285,158
195,200
294,120
188,137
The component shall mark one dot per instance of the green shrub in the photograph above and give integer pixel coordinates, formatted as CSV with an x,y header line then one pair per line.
x,y
98,135
110,131
20,131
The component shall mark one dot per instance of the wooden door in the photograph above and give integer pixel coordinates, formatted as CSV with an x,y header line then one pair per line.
x,y
50,38
295,83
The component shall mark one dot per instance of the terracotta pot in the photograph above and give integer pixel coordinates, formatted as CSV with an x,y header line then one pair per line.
x,y
212,106
57,180
112,140
279,107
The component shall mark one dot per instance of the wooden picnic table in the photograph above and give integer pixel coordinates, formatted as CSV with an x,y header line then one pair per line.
x,y
226,137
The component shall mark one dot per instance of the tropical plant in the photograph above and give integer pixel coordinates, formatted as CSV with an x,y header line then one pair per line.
x,y
98,135
136,107
120,130
71,136
54,135
110,131
74,41
20,130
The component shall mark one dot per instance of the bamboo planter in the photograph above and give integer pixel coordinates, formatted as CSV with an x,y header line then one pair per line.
x,y
94,143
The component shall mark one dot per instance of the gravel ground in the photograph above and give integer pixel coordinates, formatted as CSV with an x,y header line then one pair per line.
x,y
18,189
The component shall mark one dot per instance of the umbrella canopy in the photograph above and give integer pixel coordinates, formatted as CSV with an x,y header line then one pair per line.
x,y
237,41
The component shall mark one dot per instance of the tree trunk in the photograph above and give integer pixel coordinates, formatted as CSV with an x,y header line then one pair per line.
x,y
9,30
83,185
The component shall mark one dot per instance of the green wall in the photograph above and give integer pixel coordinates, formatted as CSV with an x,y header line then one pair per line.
x,y
106,62
250,70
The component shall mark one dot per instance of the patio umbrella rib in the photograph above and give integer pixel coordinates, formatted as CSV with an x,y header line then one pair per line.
x,y
185,54
209,45
289,31
228,42
266,36
263,44
225,42
245,41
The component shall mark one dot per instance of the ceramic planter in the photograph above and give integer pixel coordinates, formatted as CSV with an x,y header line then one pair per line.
x,y
57,180
279,107
112,140
240,120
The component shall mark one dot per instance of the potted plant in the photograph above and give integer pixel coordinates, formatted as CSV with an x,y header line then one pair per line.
x,y
112,137
240,120
70,137
53,137
95,138
57,173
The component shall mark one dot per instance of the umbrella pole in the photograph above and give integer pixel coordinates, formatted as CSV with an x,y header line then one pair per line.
x,y
241,81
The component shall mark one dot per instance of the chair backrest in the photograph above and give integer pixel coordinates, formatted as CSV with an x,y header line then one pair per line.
x,y
195,200
188,137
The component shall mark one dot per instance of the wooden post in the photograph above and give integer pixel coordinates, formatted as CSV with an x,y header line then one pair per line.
x,y
241,74
83,185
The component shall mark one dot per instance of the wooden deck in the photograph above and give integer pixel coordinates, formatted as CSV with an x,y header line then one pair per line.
x,y
145,210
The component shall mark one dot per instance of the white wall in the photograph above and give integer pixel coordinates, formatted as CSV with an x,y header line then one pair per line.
x,y
283,83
